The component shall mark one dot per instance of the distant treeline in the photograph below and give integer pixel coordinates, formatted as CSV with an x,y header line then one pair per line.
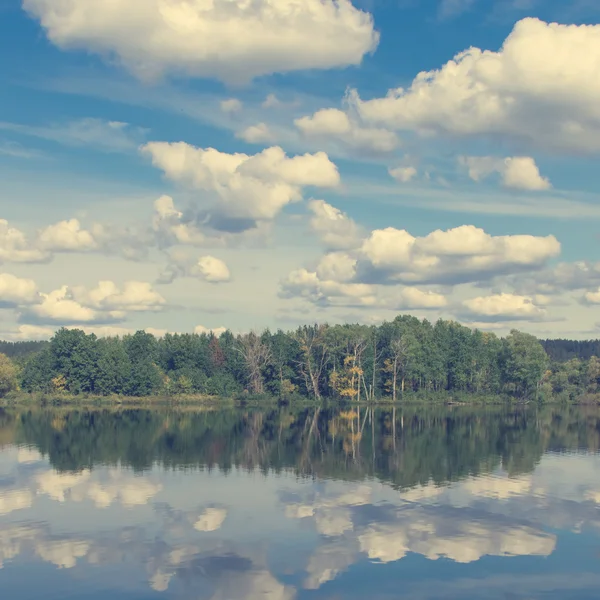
x,y
20,349
354,362
564,350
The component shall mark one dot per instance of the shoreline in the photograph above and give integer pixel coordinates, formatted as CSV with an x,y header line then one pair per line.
x,y
216,402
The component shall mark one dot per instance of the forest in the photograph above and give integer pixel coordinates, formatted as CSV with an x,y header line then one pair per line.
x,y
397,360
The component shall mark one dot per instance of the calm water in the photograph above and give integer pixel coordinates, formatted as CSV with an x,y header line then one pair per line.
x,y
283,504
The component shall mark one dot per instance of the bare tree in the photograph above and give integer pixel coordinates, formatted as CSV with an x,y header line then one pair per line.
x,y
257,355
400,348
314,355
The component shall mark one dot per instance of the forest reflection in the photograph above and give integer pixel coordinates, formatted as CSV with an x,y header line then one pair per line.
x,y
405,447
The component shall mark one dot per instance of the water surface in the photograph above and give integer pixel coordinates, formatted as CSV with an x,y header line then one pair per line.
x,y
295,504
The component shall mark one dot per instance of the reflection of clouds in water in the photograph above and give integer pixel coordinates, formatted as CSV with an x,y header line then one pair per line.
x,y
450,535
128,490
430,520
328,562
26,455
62,553
12,540
496,487
56,485
11,500
253,585
211,519
332,514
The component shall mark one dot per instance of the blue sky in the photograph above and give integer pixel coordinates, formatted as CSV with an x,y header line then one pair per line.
x,y
496,145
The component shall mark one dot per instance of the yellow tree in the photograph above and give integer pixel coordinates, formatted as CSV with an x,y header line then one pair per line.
x,y
346,381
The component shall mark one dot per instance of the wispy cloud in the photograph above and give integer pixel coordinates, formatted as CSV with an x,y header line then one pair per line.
x,y
95,134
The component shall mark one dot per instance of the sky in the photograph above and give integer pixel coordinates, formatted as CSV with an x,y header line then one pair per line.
x,y
186,165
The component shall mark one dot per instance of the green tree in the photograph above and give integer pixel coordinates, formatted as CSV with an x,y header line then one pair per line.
x,y
75,357
142,350
524,364
8,375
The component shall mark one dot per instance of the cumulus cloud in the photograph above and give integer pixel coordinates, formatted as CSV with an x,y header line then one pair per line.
x,y
78,305
66,236
216,331
334,228
106,296
414,298
231,41
514,92
58,306
272,101
357,275
207,268
518,172
212,269
504,306
334,124
302,283
403,174
14,247
15,291
588,298
459,255
248,189
256,134
231,105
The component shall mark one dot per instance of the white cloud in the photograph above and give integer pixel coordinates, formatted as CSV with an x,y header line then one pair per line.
x,y
272,101
232,41
588,297
403,174
212,269
217,331
207,268
59,307
78,305
66,236
249,188
504,306
15,291
306,284
231,105
24,333
256,134
462,254
335,228
14,246
364,272
414,298
516,92
518,172
106,296
332,123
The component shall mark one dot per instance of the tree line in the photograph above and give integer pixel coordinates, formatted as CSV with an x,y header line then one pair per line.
x,y
351,362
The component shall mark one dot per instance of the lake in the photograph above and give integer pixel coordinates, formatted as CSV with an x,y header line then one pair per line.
x,y
310,503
